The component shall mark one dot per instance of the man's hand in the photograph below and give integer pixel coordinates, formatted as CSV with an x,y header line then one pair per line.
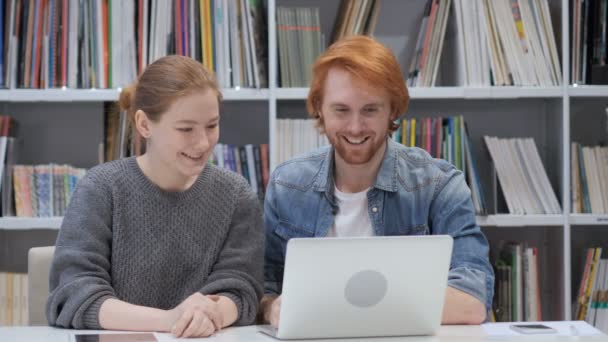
x,y
197,316
271,307
272,313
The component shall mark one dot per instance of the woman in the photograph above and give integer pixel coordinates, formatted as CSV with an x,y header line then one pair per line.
x,y
164,241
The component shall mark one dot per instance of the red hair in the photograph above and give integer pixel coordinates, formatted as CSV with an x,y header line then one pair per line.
x,y
366,60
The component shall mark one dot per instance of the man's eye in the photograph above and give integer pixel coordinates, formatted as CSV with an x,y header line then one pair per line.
x,y
212,126
185,129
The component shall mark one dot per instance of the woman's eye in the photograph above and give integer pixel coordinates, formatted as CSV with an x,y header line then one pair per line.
x,y
185,129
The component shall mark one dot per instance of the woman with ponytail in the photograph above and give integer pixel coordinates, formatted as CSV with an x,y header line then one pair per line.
x,y
165,241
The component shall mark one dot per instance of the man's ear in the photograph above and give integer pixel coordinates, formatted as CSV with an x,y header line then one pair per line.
x,y
142,123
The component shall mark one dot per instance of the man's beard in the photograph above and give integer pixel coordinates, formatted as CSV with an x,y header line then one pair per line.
x,y
353,154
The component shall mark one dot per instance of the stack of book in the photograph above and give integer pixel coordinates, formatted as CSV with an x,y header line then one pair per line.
x,y
44,190
296,137
445,138
250,161
592,296
13,299
300,41
589,173
498,43
517,295
356,18
106,44
522,176
589,41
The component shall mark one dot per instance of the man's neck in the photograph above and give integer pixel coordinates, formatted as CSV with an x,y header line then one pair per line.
x,y
356,178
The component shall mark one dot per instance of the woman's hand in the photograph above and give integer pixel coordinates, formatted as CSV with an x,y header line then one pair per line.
x,y
197,316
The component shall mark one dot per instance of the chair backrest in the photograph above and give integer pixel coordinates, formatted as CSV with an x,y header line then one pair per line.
x,y
38,268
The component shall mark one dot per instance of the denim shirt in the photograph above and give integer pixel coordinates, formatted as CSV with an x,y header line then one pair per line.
x,y
414,194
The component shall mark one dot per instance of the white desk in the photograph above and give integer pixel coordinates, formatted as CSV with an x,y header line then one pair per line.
x,y
446,334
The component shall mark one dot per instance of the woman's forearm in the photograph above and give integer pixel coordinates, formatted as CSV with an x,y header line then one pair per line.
x,y
228,309
115,314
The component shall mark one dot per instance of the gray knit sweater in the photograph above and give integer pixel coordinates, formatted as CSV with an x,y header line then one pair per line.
x,y
123,237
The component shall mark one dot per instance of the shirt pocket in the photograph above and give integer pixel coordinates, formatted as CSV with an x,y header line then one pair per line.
x,y
421,229
287,231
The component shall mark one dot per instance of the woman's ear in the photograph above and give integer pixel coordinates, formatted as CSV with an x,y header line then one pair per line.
x,y
142,123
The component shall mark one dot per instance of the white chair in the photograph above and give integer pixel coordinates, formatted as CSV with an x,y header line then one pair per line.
x,y
38,268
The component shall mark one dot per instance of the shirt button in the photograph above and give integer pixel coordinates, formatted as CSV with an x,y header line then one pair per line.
x,y
375,209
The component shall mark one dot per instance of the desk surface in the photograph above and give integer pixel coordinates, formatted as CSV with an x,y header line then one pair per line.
x,y
250,333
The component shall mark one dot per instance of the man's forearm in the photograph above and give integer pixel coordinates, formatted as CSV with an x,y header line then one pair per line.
x,y
115,314
462,308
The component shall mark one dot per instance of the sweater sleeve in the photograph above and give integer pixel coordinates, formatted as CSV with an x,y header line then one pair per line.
x,y
80,272
237,273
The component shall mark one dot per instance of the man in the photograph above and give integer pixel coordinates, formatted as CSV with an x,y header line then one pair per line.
x,y
366,185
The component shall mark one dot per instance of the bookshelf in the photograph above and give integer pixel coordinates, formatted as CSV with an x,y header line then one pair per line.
x,y
66,126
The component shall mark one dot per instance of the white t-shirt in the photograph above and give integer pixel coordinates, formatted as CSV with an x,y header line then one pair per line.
x,y
352,218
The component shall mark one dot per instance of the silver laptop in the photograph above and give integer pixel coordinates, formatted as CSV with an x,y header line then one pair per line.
x,y
363,287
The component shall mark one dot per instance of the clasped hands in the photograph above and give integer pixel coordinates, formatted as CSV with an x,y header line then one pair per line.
x,y
197,316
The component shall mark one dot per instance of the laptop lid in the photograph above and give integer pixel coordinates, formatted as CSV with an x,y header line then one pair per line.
x,y
362,287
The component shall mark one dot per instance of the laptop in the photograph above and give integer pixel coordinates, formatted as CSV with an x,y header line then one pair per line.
x,y
363,287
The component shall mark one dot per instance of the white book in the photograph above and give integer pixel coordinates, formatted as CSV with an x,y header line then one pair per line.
x,y
153,31
534,46
500,68
73,17
3,298
252,45
251,167
483,44
592,181
100,70
512,43
533,190
145,35
492,144
440,37
192,29
245,35
218,51
510,164
218,153
602,172
534,177
225,32
24,299
543,9
575,179
548,191
235,45
3,144
461,60
543,40
521,181
16,308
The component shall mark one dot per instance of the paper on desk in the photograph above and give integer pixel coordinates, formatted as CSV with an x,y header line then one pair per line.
x,y
564,328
